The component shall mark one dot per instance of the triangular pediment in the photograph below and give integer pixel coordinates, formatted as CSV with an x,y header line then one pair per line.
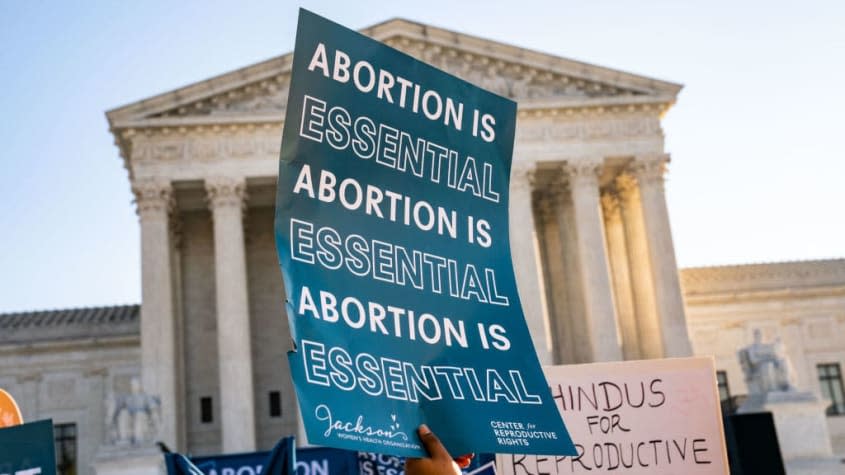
x,y
258,93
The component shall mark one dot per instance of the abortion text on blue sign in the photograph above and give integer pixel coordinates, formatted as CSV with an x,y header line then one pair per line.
x,y
392,233
309,461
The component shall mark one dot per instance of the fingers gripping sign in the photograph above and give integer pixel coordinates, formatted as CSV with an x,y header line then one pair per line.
x,y
439,462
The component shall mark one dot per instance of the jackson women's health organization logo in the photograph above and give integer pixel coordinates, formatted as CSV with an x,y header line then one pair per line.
x,y
357,429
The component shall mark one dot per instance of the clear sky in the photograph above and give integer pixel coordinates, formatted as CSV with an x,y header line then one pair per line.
x,y
756,136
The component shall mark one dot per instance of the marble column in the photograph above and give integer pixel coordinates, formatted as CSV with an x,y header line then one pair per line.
x,y
595,276
667,285
621,276
574,313
554,274
642,283
226,197
527,266
159,338
179,325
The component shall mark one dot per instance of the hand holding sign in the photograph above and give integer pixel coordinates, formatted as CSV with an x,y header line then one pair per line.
x,y
438,462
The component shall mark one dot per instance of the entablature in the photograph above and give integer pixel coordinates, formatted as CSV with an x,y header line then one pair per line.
x,y
544,86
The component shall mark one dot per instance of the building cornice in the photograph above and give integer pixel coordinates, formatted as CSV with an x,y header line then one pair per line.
x,y
764,295
51,346
762,277
70,324
526,109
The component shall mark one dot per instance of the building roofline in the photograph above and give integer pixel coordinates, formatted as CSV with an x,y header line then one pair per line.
x,y
382,31
69,324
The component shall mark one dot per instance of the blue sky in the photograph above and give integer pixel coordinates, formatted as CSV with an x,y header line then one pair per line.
x,y
756,136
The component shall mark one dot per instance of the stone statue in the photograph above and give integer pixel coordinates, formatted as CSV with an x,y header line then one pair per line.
x,y
133,418
799,416
766,366
784,368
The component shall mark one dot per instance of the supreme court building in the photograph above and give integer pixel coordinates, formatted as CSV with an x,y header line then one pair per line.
x,y
590,233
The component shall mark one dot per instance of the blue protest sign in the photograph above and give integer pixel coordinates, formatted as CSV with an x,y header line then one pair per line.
x,y
392,234
27,449
309,461
178,464
324,460
328,466
249,463
281,459
370,463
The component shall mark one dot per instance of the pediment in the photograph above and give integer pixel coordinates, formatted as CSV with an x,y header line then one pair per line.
x,y
258,93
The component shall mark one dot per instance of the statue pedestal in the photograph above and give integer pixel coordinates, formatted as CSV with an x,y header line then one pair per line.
x,y
802,431
129,460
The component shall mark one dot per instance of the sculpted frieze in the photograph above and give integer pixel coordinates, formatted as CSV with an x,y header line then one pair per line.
x,y
219,145
165,150
267,96
274,102
204,148
239,147
574,131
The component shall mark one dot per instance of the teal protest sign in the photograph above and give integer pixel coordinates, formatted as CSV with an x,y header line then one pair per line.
x,y
27,449
392,233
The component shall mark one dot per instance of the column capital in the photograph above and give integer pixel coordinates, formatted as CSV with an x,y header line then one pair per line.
x,y
650,169
175,227
546,202
610,206
152,196
225,192
523,176
583,170
626,186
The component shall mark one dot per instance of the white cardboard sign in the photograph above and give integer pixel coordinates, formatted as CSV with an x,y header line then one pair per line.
x,y
633,417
